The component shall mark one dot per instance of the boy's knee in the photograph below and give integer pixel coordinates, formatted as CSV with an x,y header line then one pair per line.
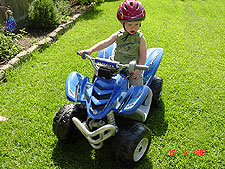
x,y
136,82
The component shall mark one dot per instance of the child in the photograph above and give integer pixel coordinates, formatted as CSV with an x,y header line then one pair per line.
x,y
130,42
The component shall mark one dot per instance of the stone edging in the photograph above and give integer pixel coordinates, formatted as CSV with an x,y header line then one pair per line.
x,y
51,37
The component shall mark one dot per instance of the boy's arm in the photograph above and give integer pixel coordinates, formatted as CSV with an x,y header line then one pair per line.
x,y
101,45
143,51
142,58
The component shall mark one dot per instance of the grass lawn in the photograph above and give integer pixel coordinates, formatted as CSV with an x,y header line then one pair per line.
x,y
190,117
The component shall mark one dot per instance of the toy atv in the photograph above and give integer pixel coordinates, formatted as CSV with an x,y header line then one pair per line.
x,y
109,107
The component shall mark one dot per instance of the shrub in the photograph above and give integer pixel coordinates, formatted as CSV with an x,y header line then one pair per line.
x,y
42,14
63,9
8,47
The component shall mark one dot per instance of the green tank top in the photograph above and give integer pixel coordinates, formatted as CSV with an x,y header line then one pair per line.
x,y
127,46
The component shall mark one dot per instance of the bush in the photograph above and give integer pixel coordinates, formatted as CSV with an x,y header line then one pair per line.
x,y
42,14
8,47
63,9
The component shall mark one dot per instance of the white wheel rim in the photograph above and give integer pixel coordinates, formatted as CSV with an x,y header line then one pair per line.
x,y
140,149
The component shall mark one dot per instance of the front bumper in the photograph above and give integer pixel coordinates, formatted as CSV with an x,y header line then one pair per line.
x,y
96,137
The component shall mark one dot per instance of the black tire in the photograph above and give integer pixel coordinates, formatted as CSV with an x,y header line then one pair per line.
x,y
63,126
156,87
132,143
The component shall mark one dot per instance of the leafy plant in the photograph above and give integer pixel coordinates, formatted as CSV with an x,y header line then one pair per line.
x,y
8,47
63,9
42,14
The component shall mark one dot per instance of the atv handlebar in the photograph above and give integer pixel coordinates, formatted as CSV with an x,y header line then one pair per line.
x,y
107,61
142,67
132,66
84,55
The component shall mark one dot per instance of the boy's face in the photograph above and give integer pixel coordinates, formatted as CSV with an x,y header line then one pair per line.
x,y
132,27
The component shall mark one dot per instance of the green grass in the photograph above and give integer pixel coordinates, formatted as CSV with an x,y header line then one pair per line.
x,y
190,115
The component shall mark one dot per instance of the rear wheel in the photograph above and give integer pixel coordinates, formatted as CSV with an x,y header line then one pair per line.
x,y
132,142
63,126
156,87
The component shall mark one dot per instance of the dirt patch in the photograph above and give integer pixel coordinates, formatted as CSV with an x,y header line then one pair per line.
x,y
33,36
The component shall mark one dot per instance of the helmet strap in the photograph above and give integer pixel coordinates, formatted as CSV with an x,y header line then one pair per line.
x,y
124,26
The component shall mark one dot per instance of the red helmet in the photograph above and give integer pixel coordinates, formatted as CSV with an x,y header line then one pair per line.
x,y
130,10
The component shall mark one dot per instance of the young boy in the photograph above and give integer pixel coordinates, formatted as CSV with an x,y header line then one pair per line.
x,y
130,42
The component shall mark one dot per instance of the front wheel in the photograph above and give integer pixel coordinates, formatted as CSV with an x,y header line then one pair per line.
x,y
63,126
132,143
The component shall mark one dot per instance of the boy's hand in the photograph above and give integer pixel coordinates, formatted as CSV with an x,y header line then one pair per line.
x,y
136,74
88,51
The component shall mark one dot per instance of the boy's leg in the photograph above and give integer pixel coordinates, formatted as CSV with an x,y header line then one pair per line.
x,y
137,82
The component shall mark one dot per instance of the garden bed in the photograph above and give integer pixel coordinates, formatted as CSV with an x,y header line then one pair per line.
x,y
31,36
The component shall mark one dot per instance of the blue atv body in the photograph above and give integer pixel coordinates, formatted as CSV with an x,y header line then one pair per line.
x,y
109,96
105,95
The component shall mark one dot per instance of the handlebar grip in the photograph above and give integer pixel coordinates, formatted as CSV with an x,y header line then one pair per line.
x,y
142,67
106,61
83,55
